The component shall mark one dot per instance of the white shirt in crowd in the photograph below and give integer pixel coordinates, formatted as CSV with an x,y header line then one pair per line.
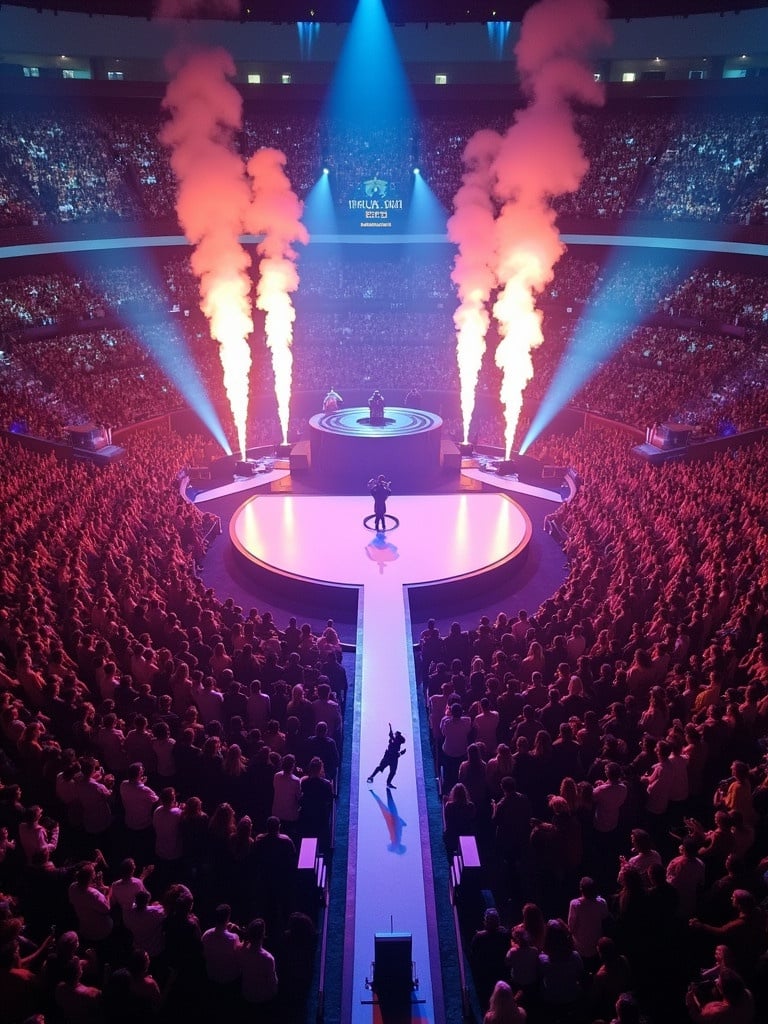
x,y
138,801
220,948
146,927
123,892
586,918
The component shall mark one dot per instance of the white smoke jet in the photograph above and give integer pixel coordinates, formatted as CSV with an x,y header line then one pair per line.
x,y
540,157
213,196
471,227
275,212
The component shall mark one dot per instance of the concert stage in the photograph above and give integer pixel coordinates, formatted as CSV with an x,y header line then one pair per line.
x,y
302,544
444,544
346,449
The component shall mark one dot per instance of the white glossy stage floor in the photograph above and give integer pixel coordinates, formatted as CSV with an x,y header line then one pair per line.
x,y
440,536
323,538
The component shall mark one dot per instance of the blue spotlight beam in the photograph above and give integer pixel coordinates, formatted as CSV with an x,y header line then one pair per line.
x,y
368,120
426,215
319,212
601,332
369,85
498,34
171,353
308,33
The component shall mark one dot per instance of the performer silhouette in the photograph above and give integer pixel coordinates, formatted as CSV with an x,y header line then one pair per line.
x,y
332,400
392,755
380,491
376,407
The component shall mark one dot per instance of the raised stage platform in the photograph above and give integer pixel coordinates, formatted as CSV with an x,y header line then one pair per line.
x,y
299,544
346,449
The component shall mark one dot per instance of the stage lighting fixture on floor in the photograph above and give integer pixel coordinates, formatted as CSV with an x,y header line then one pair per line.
x,y
246,468
393,982
283,450
465,448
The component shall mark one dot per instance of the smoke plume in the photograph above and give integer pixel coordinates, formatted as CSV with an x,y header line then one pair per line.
x,y
213,196
540,156
275,212
471,227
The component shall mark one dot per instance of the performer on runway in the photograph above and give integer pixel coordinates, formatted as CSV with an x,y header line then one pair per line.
x,y
380,491
332,400
376,407
392,755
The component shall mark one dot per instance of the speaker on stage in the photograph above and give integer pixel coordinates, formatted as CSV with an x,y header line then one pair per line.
x,y
299,457
393,968
199,474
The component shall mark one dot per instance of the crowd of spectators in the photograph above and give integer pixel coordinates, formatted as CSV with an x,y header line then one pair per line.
x,y
608,750
705,164
584,744
361,349
150,793
106,375
64,163
104,164
698,355
417,278
129,727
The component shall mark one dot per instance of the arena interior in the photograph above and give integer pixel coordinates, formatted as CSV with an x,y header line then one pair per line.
x,y
502,753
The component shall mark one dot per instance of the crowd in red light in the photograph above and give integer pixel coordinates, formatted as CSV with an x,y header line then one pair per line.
x,y
114,653
618,706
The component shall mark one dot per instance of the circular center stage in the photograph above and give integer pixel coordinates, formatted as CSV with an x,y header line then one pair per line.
x,y
299,542
346,449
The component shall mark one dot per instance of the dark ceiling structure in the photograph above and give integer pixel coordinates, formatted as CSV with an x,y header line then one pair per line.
x,y
398,11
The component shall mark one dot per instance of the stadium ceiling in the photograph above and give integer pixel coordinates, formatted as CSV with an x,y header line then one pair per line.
x,y
399,11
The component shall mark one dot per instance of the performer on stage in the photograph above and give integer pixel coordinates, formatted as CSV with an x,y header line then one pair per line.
x,y
413,399
376,406
380,491
332,400
392,755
